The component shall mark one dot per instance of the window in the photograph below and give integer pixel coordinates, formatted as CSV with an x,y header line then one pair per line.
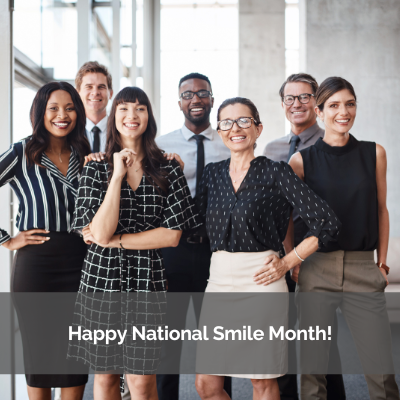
x,y
202,37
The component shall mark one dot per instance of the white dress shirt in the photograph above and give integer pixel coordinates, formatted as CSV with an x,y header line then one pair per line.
x,y
183,143
102,125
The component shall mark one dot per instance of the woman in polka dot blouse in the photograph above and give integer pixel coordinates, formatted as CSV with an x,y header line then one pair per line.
x,y
246,203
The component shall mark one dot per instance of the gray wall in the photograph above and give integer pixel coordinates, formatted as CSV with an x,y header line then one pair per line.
x,y
262,62
359,40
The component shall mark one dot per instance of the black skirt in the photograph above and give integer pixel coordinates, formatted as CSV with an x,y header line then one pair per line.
x,y
54,266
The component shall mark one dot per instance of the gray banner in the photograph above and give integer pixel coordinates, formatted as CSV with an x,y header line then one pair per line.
x,y
237,333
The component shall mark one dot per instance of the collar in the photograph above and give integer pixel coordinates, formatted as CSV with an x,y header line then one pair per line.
x,y
306,135
336,150
102,125
188,134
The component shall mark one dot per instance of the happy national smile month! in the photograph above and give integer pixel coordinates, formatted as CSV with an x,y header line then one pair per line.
x,y
247,333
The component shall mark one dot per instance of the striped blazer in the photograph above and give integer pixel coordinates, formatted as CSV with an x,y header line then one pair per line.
x,y
46,197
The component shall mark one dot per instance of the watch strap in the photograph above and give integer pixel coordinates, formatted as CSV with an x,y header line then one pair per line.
x,y
384,266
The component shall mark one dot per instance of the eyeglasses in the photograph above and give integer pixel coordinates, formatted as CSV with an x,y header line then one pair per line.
x,y
242,122
304,98
188,95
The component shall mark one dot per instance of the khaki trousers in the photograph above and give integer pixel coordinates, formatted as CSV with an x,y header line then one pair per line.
x,y
353,282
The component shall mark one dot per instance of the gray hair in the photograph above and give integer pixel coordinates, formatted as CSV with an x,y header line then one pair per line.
x,y
301,77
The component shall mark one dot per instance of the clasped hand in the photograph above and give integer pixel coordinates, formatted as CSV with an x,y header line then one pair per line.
x,y
274,268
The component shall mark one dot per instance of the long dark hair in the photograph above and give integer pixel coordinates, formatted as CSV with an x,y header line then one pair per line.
x,y
329,87
40,136
153,156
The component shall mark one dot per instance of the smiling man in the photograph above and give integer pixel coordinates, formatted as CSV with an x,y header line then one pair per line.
x,y
187,265
94,84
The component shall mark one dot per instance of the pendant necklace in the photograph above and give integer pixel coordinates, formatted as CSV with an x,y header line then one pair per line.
x,y
59,154
234,180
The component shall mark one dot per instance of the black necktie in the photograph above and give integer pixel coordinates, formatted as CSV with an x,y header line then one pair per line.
x,y
200,160
96,139
294,142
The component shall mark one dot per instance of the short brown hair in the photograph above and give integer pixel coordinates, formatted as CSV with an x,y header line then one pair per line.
x,y
89,67
329,87
300,77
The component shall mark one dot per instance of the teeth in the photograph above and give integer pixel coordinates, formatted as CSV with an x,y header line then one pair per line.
x,y
197,109
238,138
342,120
298,112
61,124
94,100
131,125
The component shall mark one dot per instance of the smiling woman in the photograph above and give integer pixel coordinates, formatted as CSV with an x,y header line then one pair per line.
x,y
129,206
43,172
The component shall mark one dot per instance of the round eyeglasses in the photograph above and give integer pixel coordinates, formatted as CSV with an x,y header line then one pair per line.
x,y
188,95
304,98
242,122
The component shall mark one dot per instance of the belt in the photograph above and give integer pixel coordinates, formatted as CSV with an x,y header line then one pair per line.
x,y
195,239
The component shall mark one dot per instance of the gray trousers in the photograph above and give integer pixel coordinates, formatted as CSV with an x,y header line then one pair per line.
x,y
353,282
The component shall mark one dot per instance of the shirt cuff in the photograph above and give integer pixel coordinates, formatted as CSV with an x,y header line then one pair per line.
x,y
4,236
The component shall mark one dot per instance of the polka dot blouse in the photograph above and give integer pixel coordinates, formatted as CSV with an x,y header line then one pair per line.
x,y
256,217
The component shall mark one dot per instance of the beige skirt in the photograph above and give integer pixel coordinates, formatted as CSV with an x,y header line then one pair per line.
x,y
233,272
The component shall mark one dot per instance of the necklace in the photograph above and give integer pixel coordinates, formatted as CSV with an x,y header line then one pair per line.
x,y
59,154
234,180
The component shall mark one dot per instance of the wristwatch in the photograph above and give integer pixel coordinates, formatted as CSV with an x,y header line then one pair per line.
x,y
384,266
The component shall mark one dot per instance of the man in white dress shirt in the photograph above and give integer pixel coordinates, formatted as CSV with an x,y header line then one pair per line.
x,y
187,265
94,84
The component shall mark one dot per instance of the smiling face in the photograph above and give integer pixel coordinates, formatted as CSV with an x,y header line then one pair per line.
x,y
95,93
60,116
131,119
339,112
238,139
196,110
301,116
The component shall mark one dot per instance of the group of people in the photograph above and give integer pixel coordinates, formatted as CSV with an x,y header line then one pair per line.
x,y
146,207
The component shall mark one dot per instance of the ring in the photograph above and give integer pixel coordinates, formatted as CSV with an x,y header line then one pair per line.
x,y
270,277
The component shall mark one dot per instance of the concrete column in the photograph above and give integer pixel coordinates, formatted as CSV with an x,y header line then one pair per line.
x,y
6,88
151,62
262,62
84,11
359,41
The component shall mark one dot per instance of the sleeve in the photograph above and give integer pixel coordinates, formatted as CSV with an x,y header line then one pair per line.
x,y
180,212
320,219
90,196
8,165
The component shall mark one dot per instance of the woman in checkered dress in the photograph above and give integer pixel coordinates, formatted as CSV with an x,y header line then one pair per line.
x,y
128,206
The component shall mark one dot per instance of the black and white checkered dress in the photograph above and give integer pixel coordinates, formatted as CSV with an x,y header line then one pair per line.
x,y
138,274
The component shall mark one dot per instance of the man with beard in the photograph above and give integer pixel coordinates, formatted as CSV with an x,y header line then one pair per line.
x,y
187,265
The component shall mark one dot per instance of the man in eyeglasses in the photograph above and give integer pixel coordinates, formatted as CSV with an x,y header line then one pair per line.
x,y
297,94
187,265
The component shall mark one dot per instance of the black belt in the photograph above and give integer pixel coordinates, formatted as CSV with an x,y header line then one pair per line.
x,y
195,239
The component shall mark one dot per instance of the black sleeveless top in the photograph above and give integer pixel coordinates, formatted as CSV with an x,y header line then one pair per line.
x,y
345,177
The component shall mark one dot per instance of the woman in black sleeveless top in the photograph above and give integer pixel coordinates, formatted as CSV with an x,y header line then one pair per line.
x,y
350,175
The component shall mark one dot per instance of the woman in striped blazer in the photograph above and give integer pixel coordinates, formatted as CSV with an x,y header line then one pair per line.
x,y
43,170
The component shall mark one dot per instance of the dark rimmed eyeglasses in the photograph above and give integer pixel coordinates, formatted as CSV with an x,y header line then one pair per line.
x,y
304,98
188,95
242,122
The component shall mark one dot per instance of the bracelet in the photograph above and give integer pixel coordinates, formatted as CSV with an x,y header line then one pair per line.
x,y
297,254
122,247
